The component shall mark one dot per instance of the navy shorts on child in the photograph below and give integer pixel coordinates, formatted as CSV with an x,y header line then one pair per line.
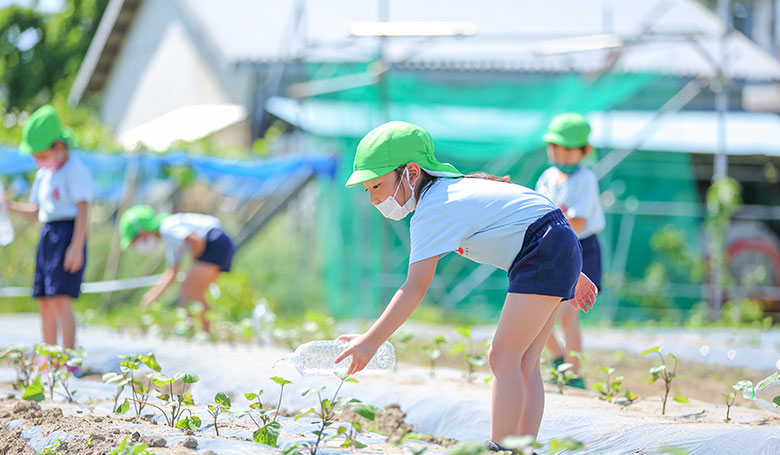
x,y
50,276
219,250
550,260
591,259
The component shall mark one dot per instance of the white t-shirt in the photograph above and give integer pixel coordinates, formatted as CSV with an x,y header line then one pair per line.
x,y
578,197
176,228
480,219
58,192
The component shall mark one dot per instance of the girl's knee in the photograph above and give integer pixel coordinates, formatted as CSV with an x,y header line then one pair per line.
x,y
502,360
529,364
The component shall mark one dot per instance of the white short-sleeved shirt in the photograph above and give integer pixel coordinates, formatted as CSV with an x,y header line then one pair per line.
x,y
578,197
176,228
57,192
480,219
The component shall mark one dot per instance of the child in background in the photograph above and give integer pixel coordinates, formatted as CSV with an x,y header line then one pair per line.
x,y
201,236
575,190
60,198
488,220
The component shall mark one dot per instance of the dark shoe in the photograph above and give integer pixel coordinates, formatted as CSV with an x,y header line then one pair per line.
x,y
493,447
578,383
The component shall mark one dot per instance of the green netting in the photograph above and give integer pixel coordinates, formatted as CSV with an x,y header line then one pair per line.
x,y
491,126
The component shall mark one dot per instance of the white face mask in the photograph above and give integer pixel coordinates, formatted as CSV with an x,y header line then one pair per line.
x,y
146,245
390,208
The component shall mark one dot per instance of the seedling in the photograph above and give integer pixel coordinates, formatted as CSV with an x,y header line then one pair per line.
x,y
34,391
128,366
55,448
433,351
23,359
58,367
354,429
661,371
267,430
731,397
610,389
282,382
402,342
561,375
221,405
328,408
129,449
473,357
521,445
175,402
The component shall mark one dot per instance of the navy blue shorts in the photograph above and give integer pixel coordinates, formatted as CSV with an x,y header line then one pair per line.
x,y
50,276
591,259
219,250
550,261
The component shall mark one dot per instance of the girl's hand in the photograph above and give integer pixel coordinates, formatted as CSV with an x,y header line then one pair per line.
x,y
361,348
74,259
584,294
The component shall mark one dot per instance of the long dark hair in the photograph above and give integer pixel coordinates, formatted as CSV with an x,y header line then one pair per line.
x,y
426,180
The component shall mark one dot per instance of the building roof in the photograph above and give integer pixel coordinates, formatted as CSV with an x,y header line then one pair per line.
x,y
674,37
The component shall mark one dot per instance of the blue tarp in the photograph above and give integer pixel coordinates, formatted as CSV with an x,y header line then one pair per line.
x,y
245,179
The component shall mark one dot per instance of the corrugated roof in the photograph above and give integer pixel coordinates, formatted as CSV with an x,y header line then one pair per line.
x,y
660,35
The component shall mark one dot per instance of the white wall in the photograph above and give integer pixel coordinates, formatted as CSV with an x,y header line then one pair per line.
x,y
159,68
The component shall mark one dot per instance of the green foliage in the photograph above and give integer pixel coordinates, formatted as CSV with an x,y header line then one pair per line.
x,y
23,359
126,448
191,423
474,354
55,448
559,445
325,413
57,367
433,351
221,406
34,391
561,375
662,372
611,389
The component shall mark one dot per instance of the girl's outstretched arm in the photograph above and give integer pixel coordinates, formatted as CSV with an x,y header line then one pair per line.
x,y
363,347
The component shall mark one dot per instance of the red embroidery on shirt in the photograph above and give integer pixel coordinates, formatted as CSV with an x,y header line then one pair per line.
x,y
463,252
56,194
459,251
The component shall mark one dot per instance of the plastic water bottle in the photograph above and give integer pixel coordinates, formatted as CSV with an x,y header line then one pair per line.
x,y
316,358
6,228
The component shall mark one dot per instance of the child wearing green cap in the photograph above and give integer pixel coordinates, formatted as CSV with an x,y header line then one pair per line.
x,y
60,198
575,190
488,220
183,234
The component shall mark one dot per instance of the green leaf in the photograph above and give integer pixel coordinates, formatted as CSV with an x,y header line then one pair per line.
x,y
558,445
598,386
310,390
367,411
464,331
405,337
650,351
440,340
189,378
516,443
291,450
160,379
606,370
304,413
112,377
680,399
674,357
150,361
281,381
671,450
460,347
187,399
776,400
577,355
358,444
268,434
192,423
630,396
224,400
34,391
250,396
469,447
122,408
768,380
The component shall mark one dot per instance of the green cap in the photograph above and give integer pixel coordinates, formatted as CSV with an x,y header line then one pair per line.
x,y
568,130
394,144
43,129
138,219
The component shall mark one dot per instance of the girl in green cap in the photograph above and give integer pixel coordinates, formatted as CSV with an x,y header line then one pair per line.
x,y
575,190
60,198
488,220
183,234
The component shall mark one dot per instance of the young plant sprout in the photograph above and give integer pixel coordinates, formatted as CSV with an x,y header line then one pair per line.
x,y
433,351
282,382
125,448
175,402
328,408
562,375
221,406
128,366
59,366
267,430
731,397
661,371
473,357
23,360
610,389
